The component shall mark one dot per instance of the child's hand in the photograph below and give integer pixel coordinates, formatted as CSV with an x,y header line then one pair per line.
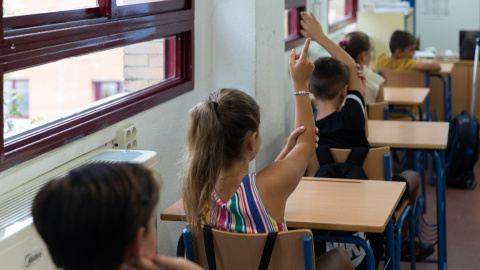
x,y
362,76
302,69
311,27
167,263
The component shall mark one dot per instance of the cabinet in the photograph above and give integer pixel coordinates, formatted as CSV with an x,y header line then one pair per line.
x,y
380,26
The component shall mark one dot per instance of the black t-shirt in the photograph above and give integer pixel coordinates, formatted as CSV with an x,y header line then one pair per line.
x,y
346,128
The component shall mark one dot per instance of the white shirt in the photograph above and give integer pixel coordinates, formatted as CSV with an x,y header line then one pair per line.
x,y
373,84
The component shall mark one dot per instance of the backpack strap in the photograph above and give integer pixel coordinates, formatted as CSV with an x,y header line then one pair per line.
x,y
323,155
209,247
267,250
357,156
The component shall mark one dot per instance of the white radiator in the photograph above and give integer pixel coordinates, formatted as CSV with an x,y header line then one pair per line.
x,y
20,245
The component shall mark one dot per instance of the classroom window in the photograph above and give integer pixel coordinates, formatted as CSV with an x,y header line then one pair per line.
x,y
341,13
292,26
15,104
132,63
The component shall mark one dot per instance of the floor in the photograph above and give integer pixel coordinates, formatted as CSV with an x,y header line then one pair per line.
x,y
463,227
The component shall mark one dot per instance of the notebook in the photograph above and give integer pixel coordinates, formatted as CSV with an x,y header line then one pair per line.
x,y
467,44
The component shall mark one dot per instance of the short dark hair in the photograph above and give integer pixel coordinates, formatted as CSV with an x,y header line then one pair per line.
x,y
328,78
90,216
401,40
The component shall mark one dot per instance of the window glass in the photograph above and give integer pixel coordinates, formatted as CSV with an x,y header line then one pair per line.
x,y
21,7
336,10
71,85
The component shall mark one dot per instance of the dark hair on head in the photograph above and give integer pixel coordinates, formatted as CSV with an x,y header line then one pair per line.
x,y
401,40
217,132
89,217
328,78
355,43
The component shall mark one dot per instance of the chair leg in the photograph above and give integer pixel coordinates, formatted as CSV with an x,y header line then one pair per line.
x,y
188,242
307,252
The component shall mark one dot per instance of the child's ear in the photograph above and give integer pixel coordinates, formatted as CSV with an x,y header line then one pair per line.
x,y
252,141
135,246
398,53
344,90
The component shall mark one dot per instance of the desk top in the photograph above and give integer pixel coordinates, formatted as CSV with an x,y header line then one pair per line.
x,y
446,68
405,95
408,134
335,204
340,204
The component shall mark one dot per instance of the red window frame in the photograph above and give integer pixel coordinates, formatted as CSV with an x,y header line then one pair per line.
x,y
24,46
294,38
351,7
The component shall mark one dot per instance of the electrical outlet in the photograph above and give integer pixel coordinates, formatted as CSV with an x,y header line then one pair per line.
x,y
126,138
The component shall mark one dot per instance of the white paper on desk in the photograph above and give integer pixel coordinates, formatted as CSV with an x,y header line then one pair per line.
x,y
424,54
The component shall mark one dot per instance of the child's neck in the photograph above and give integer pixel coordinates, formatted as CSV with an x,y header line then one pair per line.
x,y
326,107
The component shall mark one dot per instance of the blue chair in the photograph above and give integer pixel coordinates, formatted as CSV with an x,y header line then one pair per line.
x,y
291,250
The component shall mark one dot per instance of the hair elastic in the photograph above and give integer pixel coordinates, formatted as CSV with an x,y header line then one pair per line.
x,y
215,105
343,43
301,93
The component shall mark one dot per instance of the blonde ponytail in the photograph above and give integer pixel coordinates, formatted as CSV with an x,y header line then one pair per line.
x,y
216,133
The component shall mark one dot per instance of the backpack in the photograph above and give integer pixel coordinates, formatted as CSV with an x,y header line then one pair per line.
x,y
351,169
462,152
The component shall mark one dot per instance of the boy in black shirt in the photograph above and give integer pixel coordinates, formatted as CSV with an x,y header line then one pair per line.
x,y
335,80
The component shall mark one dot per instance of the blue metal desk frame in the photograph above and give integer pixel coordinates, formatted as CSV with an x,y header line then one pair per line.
x,y
438,156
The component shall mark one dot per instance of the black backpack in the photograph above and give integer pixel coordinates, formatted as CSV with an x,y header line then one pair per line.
x,y
351,169
462,151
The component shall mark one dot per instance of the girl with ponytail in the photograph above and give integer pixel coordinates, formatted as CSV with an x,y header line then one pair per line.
x,y
359,46
222,138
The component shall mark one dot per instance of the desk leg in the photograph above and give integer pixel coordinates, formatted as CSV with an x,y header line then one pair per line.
x,y
439,157
449,99
446,96
350,239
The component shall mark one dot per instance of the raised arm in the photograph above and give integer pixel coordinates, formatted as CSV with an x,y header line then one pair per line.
x,y
313,29
283,176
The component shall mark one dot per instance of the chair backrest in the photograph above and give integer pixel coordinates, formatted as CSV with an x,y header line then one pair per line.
x,y
244,251
376,111
404,78
375,165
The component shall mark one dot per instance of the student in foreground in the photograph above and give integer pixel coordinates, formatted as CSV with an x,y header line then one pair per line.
x,y
222,138
402,47
102,217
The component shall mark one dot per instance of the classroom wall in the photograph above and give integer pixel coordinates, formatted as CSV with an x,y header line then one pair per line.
x,y
442,32
238,44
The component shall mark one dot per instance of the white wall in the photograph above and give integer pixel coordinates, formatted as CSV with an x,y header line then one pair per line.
x,y
238,44
443,32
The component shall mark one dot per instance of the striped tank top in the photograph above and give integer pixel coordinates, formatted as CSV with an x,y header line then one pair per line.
x,y
243,213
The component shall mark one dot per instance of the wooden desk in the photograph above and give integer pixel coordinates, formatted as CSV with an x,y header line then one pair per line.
x,y
411,96
446,68
335,204
344,205
332,204
408,134
432,137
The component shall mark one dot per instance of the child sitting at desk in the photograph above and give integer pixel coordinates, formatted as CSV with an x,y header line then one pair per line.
x,y
102,217
332,82
402,47
359,46
222,138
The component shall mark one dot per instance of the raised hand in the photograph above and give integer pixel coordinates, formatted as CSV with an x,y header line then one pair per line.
x,y
301,69
311,27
